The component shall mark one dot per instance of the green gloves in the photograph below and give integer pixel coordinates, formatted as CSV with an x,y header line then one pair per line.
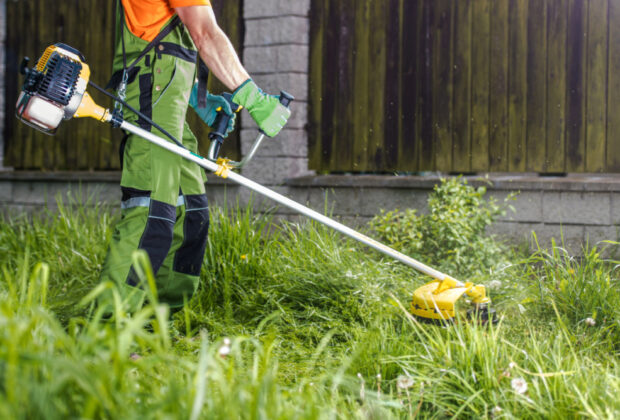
x,y
209,112
266,110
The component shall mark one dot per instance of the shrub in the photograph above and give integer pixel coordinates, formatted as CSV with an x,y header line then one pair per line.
x,y
453,234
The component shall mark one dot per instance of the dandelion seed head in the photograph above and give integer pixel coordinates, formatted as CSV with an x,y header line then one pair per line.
x,y
519,385
495,284
404,382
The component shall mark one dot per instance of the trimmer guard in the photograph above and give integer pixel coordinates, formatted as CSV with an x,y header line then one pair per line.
x,y
428,304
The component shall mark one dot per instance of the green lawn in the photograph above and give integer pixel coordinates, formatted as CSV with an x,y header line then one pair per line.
x,y
292,321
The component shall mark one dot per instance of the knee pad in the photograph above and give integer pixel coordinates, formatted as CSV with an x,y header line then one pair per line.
x,y
188,258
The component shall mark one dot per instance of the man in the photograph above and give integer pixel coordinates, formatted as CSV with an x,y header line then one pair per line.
x,y
164,208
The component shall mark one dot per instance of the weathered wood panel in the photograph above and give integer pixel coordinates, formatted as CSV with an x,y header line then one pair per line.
x,y
32,25
467,86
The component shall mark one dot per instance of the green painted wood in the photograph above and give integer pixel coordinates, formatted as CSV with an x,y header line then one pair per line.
x,y
612,163
596,86
557,16
317,85
361,92
517,85
443,83
376,83
576,84
467,85
481,30
89,27
498,113
461,134
536,85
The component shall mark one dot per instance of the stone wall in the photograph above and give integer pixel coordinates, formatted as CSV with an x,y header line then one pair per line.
x,y
276,49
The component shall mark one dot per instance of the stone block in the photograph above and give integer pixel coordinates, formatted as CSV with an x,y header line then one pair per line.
x,y
274,170
276,58
269,8
594,235
568,237
513,233
297,120
276,30
6,193
289,143
588,208
527,206
366,202
615,208
294,83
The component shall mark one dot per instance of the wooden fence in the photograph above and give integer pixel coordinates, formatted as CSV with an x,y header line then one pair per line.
x,y
32,25
465,85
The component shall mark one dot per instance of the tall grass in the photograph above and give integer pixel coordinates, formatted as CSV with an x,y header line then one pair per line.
x,y
293,321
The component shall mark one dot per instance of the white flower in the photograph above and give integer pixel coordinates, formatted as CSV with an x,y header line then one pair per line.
x,y
378,376
495,284
519,385
224,350
590,322
497,410
226,341
511,365
404,382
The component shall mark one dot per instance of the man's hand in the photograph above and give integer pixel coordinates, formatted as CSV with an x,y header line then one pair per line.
x,y
266,110
209,112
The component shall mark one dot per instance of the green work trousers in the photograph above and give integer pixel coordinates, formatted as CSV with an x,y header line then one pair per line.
x,y
164,208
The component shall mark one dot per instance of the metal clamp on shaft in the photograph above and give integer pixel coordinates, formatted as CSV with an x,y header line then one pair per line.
x,y
217,136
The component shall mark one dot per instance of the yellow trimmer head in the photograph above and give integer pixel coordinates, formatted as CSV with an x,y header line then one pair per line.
x,y
437,300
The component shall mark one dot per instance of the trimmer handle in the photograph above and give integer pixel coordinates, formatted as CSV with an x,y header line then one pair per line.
x,y
286,98
221,123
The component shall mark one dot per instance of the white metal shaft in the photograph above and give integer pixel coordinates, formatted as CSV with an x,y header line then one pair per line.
x,y
212,166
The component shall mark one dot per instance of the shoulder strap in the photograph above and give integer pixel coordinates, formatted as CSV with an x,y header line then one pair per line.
x,y
129,70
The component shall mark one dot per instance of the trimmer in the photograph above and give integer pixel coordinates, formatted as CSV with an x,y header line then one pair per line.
x,y
55,90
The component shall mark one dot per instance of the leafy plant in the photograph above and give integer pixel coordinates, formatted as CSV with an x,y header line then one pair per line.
x,y
453,234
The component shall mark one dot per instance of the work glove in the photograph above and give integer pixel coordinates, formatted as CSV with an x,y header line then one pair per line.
x,y
266,110
209,112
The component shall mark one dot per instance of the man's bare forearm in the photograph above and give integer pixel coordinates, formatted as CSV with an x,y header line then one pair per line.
x,y
213,45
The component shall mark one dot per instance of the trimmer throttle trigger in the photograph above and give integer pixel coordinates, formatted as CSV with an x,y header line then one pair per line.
x,y
221,123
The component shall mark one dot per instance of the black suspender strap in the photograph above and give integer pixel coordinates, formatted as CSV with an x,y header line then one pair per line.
x,y
203,77
131,70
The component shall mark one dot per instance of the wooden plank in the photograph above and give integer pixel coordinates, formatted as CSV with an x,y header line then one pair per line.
x,y
576,82
343,139
536,85
443,85
409,148
596,86
517,85
480,49
498,114
427,151
556,85
461,136
393,88
376,85
363,67
613,101
316,83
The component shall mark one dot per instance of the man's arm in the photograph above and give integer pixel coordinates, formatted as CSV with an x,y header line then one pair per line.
x,y
213,45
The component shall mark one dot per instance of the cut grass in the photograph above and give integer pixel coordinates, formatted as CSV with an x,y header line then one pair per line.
x,y
318,329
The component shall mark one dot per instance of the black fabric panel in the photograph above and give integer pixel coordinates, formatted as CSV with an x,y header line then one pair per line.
x,y
129,192
146,102
203,78
121,149
117,78
188,258
178,51
157,237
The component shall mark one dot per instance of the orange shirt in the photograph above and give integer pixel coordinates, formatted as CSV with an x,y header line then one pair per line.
x,y
145,18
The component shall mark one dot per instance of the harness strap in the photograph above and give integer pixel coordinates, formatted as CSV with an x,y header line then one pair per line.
x,y
117,77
